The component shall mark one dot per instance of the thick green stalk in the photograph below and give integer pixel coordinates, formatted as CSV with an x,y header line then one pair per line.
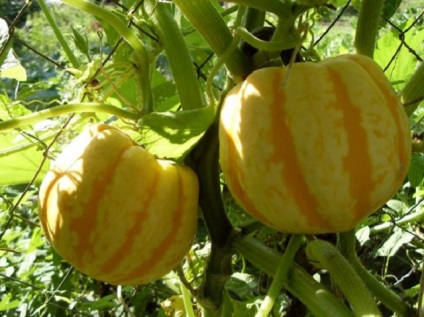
x,y
286,23
204,160
367,27
59,35
254,18
285,32
66,109
129,36
188,306
315,296
325,255
281,276
281,8
413,92
204,17
177,53
387,297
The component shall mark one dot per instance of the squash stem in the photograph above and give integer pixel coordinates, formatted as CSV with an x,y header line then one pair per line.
x,y
281,276
315,296
204,160
281,8
205,18
346,245
367,27
254,18
188,306
413,92
177,53
58,34
324,255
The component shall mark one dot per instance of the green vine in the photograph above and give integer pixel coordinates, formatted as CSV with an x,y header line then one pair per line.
x,y
413,92
281,276
67,109
205,161
324,255
58,34
314,295
254,18
367,27
275,45
210,24
177,53
282,9
346,244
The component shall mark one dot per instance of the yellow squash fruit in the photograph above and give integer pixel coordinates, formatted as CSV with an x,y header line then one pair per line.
x,y
116,213
314,148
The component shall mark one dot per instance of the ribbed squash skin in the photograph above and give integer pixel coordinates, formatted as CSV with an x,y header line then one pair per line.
x,y
114,212
315,148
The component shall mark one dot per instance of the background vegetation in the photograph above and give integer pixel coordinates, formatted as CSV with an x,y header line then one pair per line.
x,y
35,281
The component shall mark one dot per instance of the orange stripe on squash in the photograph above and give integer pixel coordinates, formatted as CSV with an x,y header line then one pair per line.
x,y
315,148
113,211
356,161
284,147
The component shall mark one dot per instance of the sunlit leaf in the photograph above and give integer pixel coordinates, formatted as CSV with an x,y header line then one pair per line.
x,y
398,239
5,44
10,67
13,69
174,306
19,167
7,303
174,134
363,235
403,65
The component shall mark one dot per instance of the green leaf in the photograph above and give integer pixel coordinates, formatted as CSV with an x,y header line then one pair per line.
x,y
10,236
103,303
174,306
245,308
19,167
81,42
4,36
395,242
416,169
390,7
413,291
124,50
10,67
338,3
174,134
7,304
363,235
36,240
165,96
242,284
405,63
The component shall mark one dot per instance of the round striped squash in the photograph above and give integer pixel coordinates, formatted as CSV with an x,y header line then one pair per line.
x,y
114,212
314,148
